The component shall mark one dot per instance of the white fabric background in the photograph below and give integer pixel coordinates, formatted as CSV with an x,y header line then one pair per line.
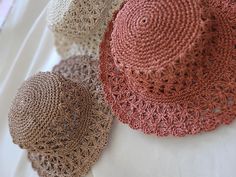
x,y
26,47
22,53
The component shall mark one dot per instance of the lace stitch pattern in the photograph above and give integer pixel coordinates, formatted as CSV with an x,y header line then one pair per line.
x,y
190,91
86,43
78,130
84,70
75,19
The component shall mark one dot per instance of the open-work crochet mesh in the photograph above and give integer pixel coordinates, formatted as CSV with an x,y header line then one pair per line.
x,y
169,67
61,121
74,18
79,25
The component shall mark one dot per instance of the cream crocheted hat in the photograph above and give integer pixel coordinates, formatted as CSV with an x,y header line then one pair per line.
x,y
61,119
79,25
169,66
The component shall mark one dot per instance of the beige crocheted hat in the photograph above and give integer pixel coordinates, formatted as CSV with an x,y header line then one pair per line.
x,y
62,123
79,25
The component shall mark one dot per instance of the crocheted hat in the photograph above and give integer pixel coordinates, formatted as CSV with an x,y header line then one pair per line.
x,y
63,124
169,67
79,25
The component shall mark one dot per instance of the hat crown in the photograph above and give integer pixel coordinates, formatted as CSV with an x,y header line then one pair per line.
x,y
160,45
49,113
74,18
150,34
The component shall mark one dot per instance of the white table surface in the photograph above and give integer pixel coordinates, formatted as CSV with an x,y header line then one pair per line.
x,y
26,47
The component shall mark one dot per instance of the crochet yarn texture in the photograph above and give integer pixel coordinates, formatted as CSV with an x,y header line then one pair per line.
x,y
74,19
168,67
79,26
59,123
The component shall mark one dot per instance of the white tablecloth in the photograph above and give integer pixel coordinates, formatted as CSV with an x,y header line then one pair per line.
x,y
26,47
22,53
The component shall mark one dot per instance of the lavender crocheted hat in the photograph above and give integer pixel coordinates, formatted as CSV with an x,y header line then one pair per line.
x,y
61,119
168,67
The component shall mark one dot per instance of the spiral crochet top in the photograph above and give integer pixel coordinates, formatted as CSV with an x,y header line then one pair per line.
x,y
168,67
42,113
61,120
78,26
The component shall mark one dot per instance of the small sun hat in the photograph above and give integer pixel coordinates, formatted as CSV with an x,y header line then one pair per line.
x,y
61,119
79,25
168,67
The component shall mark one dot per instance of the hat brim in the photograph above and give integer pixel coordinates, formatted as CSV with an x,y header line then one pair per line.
x,y
213,106
87,44
78,162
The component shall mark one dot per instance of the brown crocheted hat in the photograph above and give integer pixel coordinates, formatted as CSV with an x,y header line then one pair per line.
x,y
79,25
169,67
63,124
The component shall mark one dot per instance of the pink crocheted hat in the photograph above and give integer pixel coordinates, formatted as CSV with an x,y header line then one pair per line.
x,y
168,67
